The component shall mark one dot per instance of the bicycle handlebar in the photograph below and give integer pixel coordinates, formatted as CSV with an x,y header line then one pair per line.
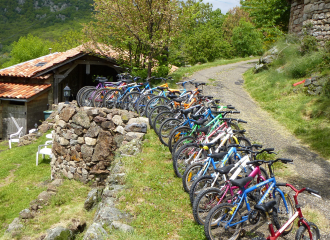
x,y
309,190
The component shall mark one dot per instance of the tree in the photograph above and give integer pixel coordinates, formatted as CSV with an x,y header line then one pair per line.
x,y
69,40
143,28
27,48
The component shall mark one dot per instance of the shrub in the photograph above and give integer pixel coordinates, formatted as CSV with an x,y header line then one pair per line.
x,y
308,44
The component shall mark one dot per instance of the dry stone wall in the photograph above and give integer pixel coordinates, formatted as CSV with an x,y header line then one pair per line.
x,y
312,16
86,140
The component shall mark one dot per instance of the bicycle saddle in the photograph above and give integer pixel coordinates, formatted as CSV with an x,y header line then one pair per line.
x,y
241,182
203,129
218,155
101,79
224,170
162,88
179,100
265,207
172,96
201,122
186,111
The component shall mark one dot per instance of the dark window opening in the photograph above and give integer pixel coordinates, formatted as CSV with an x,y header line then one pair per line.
x,y
40,64
16,103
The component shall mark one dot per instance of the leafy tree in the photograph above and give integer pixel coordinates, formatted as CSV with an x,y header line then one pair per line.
x,y
246,39
143,28
27,48
69,40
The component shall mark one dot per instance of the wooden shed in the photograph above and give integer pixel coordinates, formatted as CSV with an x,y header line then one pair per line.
x,y
28,88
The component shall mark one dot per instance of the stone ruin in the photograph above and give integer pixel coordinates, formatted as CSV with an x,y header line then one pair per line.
x,y
86,140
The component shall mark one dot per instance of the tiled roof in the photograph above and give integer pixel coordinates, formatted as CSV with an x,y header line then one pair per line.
x,y
20,90
33,67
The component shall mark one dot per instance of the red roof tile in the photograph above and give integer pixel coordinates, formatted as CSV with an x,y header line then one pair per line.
x,y
32,67
20,90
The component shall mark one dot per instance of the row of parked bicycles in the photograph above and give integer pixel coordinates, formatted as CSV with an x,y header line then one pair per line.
x,y
229,190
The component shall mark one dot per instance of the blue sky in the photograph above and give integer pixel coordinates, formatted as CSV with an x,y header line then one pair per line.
x,y
223,5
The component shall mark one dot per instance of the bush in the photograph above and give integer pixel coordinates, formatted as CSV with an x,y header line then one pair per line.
x,y
247,40
308,44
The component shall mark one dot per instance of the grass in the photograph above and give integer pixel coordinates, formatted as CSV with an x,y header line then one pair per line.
x,y
305,116
21,181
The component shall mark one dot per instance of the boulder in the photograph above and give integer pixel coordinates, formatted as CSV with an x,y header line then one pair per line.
x,y
131,148
106,215
15,226
67,113
92,199
95,232
117,120
136,127
26,214
122,227
59,232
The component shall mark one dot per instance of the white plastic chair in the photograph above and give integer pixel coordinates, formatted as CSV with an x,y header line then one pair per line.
x,y
15,136
44,150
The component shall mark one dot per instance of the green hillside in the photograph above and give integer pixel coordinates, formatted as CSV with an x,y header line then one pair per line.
x,y
44,18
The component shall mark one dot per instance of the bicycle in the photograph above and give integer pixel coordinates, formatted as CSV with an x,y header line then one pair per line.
x,y
225,220
306,230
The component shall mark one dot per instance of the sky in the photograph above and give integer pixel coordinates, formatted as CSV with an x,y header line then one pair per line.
x,y
223,5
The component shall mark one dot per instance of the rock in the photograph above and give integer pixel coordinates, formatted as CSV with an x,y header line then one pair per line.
x,y
104,147
59,149
61,123
139,136
87,152
139,120
93,131
132,148
57,182
43,127
260,67
107,215
267,59
99,119
63,141
59,233
67,113
120,129
318,90
81,119
77,226
15,226
92,199
95,232
136,127
119,139
26,214
44,197
122,227
107,124
81,140
117,120
308,82
93,112
90,141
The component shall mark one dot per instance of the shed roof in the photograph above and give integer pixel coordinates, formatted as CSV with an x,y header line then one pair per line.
x,y
20,90
32,67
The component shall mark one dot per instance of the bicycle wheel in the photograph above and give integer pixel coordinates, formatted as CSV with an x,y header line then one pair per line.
x,y
160,118
142,103
181,142
191,173
130,100
201,184
98,97
111,98
155,101
185,156
86,97
80,92
303,234
155,111
281,216
166,128
216,221
177,134
205,201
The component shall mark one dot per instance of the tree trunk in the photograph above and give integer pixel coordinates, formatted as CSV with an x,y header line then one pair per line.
x,y
149,64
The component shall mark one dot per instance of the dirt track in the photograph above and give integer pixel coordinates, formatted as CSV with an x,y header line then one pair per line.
x,y
308,170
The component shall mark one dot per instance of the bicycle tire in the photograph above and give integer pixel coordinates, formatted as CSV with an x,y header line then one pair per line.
x,y
214,229
177,134
281,216
184,157
155,111
142,103
181,142
166,128
86,100
191,173
130,100
155,101
205,201
303,233
79,93
98,97
200,185
110,99
160,118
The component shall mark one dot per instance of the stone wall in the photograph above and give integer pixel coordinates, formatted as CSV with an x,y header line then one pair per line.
x,y
85,141
312,16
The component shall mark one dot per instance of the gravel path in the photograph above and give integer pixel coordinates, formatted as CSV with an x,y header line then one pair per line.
x,y
308,170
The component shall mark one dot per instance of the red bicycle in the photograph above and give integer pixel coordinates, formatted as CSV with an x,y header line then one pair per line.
x,y
307,230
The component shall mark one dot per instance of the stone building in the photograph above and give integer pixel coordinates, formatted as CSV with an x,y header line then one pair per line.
x,y
312,17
